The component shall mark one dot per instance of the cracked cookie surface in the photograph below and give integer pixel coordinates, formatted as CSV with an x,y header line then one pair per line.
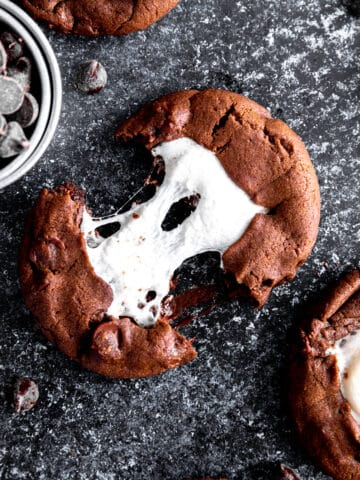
x,y
261,155
324,418
99,17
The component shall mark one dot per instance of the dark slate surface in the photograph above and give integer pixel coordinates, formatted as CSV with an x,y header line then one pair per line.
x,y
225,413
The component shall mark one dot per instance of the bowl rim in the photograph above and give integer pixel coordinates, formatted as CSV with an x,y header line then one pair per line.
x,y
55,81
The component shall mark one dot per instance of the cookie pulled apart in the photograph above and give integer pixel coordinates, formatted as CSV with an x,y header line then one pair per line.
x,y
325,381
249,192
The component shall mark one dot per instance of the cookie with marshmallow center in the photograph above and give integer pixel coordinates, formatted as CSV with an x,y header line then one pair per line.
x,y
237,182
325,381
99,17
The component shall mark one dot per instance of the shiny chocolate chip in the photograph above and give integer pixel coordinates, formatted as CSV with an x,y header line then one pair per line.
x,y
13,46
3,125
91,77
3,58
11,95
28,112
14,141
21,72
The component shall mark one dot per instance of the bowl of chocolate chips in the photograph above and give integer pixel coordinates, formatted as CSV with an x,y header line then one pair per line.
x,y
30,93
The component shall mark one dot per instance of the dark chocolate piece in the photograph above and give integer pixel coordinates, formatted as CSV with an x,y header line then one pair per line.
x,y
14,141
13,46
28,112
91,77
11,95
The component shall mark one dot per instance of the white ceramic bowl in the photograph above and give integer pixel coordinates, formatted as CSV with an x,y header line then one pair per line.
x,y
14,19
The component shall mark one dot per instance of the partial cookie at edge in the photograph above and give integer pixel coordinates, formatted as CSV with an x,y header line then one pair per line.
x,y
322,415
99,17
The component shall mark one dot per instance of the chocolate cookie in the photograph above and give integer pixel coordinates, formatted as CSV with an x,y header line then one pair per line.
x,y
325,381
99,17
228,178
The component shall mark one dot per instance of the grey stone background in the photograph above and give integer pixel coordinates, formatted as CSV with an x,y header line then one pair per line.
x,y
225,413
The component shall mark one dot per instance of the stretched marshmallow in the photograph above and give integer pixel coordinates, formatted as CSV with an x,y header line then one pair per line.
x,y
139,260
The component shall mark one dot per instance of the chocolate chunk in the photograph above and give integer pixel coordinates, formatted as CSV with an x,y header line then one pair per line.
x,y
14,141
3,58
26,394
28,113
91,77
107,339
49,254
11,95
3,124
21,72
19,109
13,46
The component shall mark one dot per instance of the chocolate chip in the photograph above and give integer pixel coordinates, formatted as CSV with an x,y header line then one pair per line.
x,y
48,254
28,113
150,295
18,108
11,95
26,394
3,58
3,125
14,141
179,212
13,46
107,340
21,72
91,77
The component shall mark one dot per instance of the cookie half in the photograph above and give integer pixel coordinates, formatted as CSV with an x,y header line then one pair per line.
x,y
325,381
263,157
237,182
99,17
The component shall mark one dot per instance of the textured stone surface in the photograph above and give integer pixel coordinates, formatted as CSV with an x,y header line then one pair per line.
x,y
224,414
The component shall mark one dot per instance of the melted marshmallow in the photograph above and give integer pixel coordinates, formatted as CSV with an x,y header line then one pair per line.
x,y
347,352
142,257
